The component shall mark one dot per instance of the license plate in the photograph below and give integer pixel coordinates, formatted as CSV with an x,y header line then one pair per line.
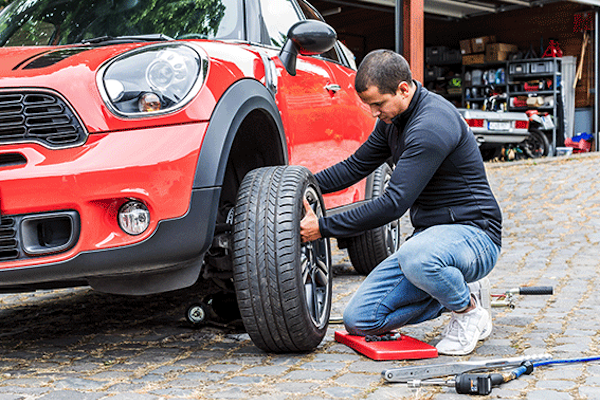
x,y
498,126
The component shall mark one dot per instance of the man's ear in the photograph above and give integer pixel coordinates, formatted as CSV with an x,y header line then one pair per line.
x,y
404,88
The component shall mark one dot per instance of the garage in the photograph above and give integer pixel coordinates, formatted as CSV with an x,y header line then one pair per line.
x,y
516,51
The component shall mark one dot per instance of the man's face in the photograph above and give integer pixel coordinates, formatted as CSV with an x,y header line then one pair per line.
x,y
385,106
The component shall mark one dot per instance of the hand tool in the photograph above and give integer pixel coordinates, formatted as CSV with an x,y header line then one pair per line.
x,y
482,384
422,372
507,298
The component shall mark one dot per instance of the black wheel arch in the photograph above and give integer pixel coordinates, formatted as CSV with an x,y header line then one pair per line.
x,y
245,99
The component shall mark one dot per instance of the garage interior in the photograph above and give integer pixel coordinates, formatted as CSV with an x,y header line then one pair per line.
x,y
532,28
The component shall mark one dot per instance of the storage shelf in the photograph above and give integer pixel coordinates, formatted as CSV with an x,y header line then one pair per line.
x,y
545,108
533,76
516,78
525,93
488,85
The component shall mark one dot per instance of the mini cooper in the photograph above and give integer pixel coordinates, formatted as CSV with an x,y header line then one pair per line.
x,y
148,146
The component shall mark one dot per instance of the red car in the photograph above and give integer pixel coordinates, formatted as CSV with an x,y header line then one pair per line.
x,y
145,146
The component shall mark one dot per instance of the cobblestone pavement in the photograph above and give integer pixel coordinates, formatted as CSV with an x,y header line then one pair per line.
x,y
79,344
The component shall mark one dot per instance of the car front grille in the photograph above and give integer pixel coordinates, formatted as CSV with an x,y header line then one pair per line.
x,y
38,116
9,246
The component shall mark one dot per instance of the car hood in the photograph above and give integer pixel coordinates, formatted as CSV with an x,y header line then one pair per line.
x,y
71,72
23,62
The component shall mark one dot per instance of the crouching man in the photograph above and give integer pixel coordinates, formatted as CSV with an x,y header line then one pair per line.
x,y
440,176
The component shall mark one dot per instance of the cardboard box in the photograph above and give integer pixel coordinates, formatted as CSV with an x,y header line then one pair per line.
x,y
469,59
499,51
478,44
465,47
510,48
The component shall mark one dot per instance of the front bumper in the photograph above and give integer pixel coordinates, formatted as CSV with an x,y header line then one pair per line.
x,y
86,185
169,259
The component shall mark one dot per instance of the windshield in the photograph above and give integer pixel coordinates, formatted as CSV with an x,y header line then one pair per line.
x,y
59,22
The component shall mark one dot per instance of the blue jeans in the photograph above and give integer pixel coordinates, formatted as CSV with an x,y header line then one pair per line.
x,y
428,274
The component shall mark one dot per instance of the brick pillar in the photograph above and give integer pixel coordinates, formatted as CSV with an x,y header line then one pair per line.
x,y
414,37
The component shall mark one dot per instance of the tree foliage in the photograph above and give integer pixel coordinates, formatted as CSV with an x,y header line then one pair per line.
x,y
74,20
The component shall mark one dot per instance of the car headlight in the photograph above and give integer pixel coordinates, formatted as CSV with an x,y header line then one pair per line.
x,y
153,79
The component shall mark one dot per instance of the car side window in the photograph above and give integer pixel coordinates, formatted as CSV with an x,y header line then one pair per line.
x,y
310,13
279,16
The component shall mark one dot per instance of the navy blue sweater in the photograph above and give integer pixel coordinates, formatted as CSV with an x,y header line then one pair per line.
x,y
439,173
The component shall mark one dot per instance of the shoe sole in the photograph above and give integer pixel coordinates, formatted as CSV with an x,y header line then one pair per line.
x,y
461,352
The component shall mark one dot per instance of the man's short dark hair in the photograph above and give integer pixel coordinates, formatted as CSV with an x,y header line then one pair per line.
x,y
384,69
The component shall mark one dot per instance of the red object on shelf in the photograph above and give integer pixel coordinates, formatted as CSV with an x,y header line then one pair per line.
x,y
405,348
516,102
531,87
553,50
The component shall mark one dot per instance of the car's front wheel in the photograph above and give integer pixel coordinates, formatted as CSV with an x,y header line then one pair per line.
x,y
283,286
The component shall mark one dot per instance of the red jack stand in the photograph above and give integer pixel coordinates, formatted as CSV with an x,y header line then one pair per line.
x,y
553,50
403,348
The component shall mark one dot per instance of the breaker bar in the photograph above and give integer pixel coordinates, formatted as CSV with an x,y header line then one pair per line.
x,y
422,372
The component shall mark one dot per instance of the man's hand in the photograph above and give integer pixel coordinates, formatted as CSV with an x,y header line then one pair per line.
x,y
309,226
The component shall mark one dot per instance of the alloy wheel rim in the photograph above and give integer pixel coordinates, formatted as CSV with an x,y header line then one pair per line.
x,y
316,269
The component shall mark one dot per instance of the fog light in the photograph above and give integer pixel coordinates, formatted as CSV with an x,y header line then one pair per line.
x,y
134,217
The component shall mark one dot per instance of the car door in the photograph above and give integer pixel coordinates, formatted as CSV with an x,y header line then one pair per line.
x,y
350,115
323,117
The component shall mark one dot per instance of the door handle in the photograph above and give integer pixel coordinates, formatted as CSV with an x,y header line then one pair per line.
x,y
333,88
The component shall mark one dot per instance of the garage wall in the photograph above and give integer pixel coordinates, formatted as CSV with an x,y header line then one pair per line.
x,y
524,28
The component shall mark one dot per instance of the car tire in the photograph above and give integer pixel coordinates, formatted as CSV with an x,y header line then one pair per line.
x,y
370,248
283,286
536,145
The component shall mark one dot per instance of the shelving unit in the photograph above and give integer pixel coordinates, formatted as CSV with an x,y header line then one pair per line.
x,y
485,82
534,79
442,66
538,79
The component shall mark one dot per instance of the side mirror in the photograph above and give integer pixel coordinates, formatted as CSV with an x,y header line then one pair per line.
x,y
307,38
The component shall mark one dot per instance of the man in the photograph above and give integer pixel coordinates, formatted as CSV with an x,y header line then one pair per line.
x,y
440,176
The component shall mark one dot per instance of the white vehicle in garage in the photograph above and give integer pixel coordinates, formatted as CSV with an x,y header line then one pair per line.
x,y
495,130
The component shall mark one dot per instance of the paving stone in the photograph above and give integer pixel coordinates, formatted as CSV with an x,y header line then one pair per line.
x,y
341,392
244,380
548,395
132,396
322,365
308,375
359,380
79,384
11,397
561,385
588,392
230,393
71,395
267,370
177,393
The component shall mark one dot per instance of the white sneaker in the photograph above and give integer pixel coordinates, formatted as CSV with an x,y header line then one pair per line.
x,y
481,290
464,330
